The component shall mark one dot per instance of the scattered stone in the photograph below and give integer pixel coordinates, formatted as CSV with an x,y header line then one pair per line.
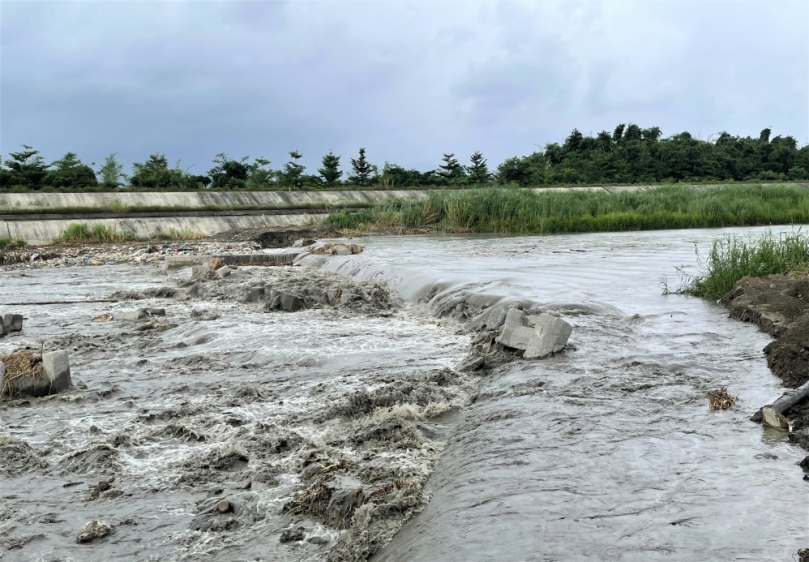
x,y
12,323
318,540
490,319
773,418
550,336
103,318
338,249
222,272
94,530
223,507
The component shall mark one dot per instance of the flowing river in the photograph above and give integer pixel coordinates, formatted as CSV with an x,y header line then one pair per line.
x,y
605,452
608,452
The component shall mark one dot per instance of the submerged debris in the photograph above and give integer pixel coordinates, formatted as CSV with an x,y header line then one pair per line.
x,y
94,530
20,366
720,399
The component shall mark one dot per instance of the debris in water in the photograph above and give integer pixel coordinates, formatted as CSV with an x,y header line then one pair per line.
x,y
94,530
720,399
101,487
103,318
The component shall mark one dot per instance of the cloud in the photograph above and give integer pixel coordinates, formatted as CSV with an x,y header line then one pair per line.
x,y
407,80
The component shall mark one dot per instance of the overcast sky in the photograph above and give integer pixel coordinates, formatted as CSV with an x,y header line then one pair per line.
x,y
408,80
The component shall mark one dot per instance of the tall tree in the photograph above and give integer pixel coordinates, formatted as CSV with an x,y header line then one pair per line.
x,y
361,170
261,175
478,172
330,172
112,172
449,169
293,171
70,173
26,169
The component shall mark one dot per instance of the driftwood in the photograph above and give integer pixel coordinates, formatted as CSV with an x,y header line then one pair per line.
x,y
787,400
55,302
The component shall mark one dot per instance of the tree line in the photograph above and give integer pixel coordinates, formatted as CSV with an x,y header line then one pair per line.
x,y
628,155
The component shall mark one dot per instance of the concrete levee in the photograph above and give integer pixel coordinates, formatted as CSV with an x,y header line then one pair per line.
x,y
33,202
46,231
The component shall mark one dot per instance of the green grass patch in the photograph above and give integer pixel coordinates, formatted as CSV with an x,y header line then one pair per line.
x,y
520,211
77,233
4,242
732,258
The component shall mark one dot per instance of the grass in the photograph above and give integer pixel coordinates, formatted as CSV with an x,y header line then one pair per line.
x,y
80,232
174,234
14,242
732,258
519,211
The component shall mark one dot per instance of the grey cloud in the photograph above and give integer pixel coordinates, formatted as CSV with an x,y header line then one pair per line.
x,y
407,80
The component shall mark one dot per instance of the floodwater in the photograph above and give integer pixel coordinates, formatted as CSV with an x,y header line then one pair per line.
x,y
605,452
608,452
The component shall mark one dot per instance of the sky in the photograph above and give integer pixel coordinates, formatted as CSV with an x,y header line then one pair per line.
x,y
407,80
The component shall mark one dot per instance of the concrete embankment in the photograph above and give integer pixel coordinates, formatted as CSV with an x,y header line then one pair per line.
x,y
45,231
38,218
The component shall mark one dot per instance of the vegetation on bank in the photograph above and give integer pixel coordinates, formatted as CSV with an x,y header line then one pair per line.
x,y
732,258
628,155
14,242
81,233
499,210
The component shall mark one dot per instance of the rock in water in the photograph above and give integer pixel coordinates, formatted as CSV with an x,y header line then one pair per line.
x,y
94,530
550,336
515,334
56,366
12,323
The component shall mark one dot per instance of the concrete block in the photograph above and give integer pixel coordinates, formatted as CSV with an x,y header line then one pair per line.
x,y
341,251
56,366
140,313
222,272
550,336
291,303
12,323
773,418
255,294
490,319
515,334
129,315
179,262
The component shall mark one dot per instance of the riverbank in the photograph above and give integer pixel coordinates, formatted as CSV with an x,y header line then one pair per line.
x,y
779,306
517,211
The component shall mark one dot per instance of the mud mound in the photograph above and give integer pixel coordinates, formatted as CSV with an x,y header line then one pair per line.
x,y
18,457
779,305
310,288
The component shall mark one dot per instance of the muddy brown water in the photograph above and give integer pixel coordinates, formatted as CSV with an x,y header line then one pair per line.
x,y
606,452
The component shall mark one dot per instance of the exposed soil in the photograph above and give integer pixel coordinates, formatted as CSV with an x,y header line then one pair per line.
x,y
779,305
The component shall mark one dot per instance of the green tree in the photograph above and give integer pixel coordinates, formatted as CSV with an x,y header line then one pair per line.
x,y
156,174
229,173
261,175
25,168
361,169
111,173
293,171
478,172
450,170
330,172
70,173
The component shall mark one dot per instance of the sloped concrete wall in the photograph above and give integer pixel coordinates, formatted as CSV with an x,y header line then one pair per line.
x,y
45,231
